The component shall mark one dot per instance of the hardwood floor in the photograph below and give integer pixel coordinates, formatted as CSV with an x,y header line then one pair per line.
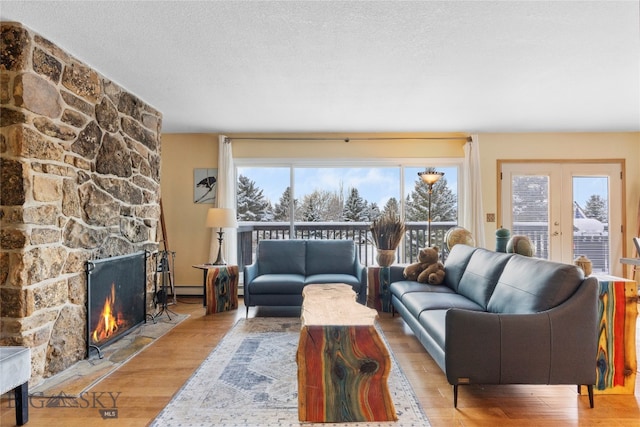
x,y
144,385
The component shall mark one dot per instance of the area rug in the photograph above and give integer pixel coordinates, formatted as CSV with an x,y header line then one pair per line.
x,y
87,373
250,379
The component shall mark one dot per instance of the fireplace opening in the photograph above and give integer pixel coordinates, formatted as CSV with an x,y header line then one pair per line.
x,y
116,298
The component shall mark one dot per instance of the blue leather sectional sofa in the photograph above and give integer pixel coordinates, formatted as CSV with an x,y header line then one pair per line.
x,y
504,319
284,267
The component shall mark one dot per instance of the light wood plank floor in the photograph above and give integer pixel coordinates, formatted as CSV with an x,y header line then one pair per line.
x,y
148,382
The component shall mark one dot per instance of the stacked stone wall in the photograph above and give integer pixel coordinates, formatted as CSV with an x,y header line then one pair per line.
x,y
79,180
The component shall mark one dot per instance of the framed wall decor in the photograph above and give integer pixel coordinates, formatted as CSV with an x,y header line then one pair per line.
x,y
204,185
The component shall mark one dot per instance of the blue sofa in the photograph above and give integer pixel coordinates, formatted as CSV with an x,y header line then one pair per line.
x,y
282,268
504,319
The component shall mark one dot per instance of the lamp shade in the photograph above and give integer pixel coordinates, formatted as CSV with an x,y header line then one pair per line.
x,y
222,218
430,177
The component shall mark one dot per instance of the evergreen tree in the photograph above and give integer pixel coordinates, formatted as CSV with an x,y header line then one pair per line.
x,y
311,209
373,212
281,211
596,208
355,207
252,205
392,207
443,208
444,204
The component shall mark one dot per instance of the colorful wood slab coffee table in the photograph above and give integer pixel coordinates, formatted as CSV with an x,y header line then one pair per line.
x,y
343,364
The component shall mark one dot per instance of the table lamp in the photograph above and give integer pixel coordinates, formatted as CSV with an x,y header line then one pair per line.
x,y
221,218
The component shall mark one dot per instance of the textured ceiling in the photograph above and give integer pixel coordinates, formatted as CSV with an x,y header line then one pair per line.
x,y
329,66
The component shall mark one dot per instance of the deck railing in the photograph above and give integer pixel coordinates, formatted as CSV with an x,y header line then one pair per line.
x,y
595,247
249,234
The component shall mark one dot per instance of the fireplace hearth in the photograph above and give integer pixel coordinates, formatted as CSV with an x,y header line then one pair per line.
x,y
116,298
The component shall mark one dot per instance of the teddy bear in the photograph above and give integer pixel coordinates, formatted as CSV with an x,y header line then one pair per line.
x,y
428,269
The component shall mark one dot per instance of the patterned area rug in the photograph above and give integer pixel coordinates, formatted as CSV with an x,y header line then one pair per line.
x,y
250,379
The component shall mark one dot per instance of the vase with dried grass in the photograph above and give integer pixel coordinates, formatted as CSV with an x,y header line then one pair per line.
x,y
386,233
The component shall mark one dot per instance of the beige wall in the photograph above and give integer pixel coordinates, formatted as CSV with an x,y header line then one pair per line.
x,y
181,153
359,147
184,220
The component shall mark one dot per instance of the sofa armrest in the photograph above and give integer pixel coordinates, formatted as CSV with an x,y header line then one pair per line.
x,y
396,273
361,274
557,346
250,272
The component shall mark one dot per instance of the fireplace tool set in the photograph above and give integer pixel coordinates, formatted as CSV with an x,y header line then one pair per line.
x,y
163,283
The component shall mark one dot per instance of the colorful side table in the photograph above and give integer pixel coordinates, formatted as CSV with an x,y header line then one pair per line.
x,y
378,293
220,283
616,363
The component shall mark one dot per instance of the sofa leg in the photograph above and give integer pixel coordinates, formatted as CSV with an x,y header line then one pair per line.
x,y
589,391
246,316
455,395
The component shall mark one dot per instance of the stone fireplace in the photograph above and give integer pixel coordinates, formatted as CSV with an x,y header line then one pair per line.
x,y
80,180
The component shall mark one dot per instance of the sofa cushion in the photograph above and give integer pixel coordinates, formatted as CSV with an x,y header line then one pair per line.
x,y
417,302
455,265
348,279
407,286
530,285
481,275
281,256
277,284
330,256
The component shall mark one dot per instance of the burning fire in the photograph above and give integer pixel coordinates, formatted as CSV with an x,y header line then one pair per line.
x,y
109,323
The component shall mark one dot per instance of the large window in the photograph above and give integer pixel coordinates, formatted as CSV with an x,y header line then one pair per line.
x,y
301,200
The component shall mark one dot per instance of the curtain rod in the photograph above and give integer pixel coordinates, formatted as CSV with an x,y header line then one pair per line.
x,y
347,139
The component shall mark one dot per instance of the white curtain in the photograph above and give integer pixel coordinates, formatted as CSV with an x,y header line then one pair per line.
x,y
226,198
472,217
